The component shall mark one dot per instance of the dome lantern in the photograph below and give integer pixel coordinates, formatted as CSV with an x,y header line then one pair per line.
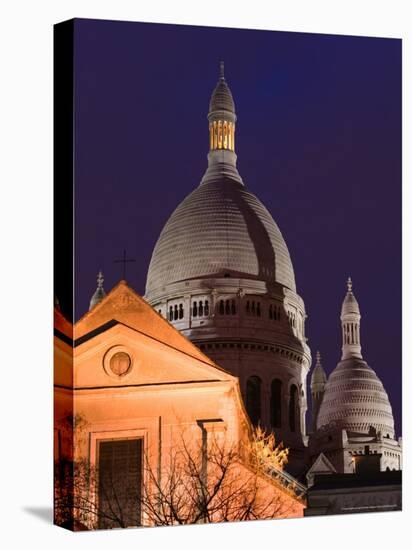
x,y
350,319
222,116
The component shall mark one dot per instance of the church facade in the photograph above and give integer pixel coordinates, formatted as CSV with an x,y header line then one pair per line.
x,y
137,407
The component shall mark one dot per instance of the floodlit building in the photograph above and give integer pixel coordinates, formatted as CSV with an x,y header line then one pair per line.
x,y
217,345
221,273
132,395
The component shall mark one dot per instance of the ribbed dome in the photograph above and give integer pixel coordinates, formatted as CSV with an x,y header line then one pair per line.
x,y
222,99
220,229
355,400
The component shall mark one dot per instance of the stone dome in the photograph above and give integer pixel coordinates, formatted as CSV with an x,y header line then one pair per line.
x,y
220,230
356,400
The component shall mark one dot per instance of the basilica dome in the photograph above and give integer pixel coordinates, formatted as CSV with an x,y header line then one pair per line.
x,y
220,230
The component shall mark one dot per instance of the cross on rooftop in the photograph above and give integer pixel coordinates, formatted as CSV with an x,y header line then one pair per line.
x,y
125,260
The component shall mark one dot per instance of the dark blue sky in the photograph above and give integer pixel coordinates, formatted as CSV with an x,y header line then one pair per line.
x,y
318,141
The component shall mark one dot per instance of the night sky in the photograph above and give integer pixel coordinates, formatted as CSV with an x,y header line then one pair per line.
x,y
318,141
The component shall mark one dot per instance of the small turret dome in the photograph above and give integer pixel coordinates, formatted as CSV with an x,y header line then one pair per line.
x,y
355,400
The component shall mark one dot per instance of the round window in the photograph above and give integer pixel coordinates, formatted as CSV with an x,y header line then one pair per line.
x,y
120,363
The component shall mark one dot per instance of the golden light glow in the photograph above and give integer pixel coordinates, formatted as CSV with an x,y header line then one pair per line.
x,y
219,135
222,135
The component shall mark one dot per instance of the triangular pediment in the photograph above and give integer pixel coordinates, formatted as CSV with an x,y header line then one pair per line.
x,y
159,354
322,465
153,363
124,305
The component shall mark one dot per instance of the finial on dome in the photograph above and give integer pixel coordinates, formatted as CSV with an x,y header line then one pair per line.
x,y
318,361
349,283
222,70
100,280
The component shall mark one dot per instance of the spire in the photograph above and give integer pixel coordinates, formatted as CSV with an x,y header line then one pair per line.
x,y
222,70
222,99
100,280
350,319
99,293
317,386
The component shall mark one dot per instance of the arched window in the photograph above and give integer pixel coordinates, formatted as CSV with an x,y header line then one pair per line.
x,y
248,307
253,405
227,308
221,307
258,309
206,307
200,308
181,313
270,312
276,403
233,309
253,308
292,407
176,313
171,313
219,134
194,309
